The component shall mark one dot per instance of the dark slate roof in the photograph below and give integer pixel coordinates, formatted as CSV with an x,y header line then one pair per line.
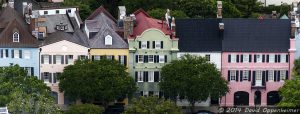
x,y
18,5
254,35
198,35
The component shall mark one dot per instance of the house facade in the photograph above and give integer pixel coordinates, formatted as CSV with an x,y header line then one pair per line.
x,y
151,46
256,60
17,45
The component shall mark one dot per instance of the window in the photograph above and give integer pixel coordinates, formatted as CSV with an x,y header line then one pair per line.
x,y
110,57
245,58
45,59
140,77
16,53
271,75
283,58
272,58
123,59
156,93
4,53
56,77
27,54
245,75
151,76
45,12
16,37
157,45
151,59
207,57
29,71
82,57
161,59
232,75
57,11
69,59
96,57
69,10
46,77
282,75
233,58
145,93
108,40
59,59
259,75
41,35
259,58
144,45
141,59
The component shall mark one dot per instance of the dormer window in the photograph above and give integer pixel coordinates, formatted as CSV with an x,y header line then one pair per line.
x,y
108,40
16,37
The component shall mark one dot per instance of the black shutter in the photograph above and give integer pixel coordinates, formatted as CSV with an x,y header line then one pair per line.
x,y
112,57
32,71
54,77
255,58
267,75
278,75
287,58
249,75
275,58
237,58
156,76
263,58
263,78
119,59
54,59
66,58
268,58
93,57
6,52
166,58
275,75
12,53
125,60
161,44
42,59
42,76
148,44
136,58
62,59
279,60
237,75
153,44
250,58
241,75
286,75
50,77
136,76
228,76
157,58
253,78
145,76
242,57
50,59
20,53
145,58
229,58
154,57
1,53
140,44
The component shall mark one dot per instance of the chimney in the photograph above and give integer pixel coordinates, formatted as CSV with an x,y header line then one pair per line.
x,y
11,3
295,6
122,12
219,5
168,18
128,26
293,29
173,26
274,15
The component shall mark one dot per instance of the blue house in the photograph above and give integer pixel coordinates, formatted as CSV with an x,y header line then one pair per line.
x,y
17,45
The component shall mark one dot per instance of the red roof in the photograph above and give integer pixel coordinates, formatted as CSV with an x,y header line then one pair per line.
x,y
144,22
101,9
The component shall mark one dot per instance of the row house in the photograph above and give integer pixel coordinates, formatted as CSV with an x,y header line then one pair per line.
x,y
152,44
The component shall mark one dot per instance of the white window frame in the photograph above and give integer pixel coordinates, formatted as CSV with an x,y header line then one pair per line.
x,y
271,75
4,53
283,58
272,58
140,58
58,59
161,59
16,54
144,45
232,75
150,58
47,81
122,59
245,58
157,44
282,75
259,58
140,76
46,59
258,78
151,76
108,40
233,58
27,54
16,37
70,60
146,93
245,74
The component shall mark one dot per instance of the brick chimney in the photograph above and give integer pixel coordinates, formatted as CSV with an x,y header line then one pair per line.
x,y
219,6
128,25
173,26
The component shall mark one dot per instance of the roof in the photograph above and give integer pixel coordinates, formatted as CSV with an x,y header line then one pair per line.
x,y
144,22
254,35
239,35
198,35
99,10
18,5
53,20
15,23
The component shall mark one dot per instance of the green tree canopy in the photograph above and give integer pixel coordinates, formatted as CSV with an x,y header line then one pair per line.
x,y
152,105
160,13
102,81
24,94
193,77
85,109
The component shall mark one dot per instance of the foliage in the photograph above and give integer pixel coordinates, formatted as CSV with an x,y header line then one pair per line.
x,y
193,77
147,5
89,81
198,8
85,109
246,7
160,13
24,94
152,105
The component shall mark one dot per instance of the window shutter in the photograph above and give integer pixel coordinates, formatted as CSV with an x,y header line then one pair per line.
x,y
287,58
237,58
156,76
229,58
113,57
241,76
136,76
267,75
93,57
148,44
166,58
20,53
253,78
279,60
254,58
66,58
136,58
145,76
120,59
161,44
125,60
228,76
275,76
236,75
54,59
268,58
6,50
242,57
157,58
278,75
249,77
12,53
140,44
153,44
263,58
54,77
145,58
50,59
42,59
276,58
1,53
286,75
250,58
62,59
42,76
263,78
50,77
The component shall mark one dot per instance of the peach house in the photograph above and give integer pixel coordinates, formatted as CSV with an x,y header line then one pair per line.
x,y
257,58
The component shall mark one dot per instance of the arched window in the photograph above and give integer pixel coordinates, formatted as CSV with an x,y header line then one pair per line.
x,y
108,40
16,37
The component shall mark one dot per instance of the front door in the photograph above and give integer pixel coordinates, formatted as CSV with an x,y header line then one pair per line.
x,y
257,98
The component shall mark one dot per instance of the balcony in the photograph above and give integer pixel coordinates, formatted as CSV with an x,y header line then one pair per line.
x,y
258,87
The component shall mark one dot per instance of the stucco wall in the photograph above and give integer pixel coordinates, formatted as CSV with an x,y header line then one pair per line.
x,y
115,52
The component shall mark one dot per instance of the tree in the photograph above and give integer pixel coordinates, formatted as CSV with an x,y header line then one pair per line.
x,y
246,7
85,109
194,78
290,91
152,105
133,5
89,81
160,13
24,94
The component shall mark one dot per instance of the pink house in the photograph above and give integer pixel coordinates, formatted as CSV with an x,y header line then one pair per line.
x,y
257,57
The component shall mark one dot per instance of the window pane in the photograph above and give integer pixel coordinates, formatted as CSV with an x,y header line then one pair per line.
x,y
271,75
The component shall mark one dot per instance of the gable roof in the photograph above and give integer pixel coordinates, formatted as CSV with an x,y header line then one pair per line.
x,y
99,10
144,22
198,35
